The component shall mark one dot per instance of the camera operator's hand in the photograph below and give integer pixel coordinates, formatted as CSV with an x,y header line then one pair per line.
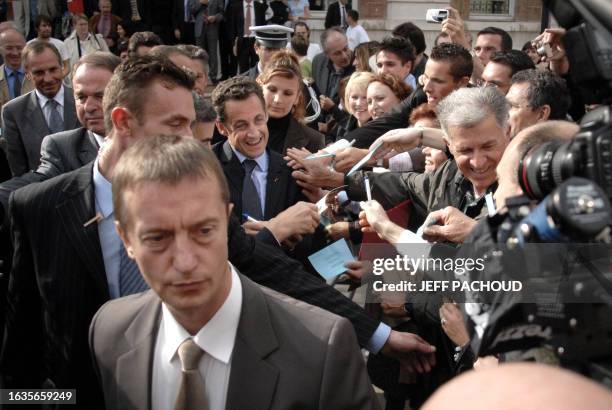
x,y
452,226
454,27
558,61
453,324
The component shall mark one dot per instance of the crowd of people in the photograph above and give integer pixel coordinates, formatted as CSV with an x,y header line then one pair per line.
x,y
156,238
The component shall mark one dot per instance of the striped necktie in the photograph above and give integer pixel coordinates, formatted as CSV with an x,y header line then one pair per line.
x,y
130,279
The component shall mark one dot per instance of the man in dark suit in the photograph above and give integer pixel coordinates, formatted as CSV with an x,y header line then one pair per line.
x,y
200,301
65,241
136,14
336,14
48,109
239,22
265,190
183,22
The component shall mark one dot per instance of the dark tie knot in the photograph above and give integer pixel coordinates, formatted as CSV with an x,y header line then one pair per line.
x,y
249,165
190,354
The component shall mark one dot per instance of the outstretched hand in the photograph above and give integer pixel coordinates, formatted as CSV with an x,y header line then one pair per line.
x,y
413,353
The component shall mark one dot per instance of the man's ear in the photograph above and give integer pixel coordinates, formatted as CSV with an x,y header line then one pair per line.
x,y
122,120
463,82
124,238
544,112
221,127
447,141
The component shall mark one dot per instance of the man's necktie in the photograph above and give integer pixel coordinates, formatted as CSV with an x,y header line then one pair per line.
x,y
191,394
342,16
247,20
130,279
56,124
251,204
16,84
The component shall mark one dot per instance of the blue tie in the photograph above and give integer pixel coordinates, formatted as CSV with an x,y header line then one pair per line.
x,y
16,84
251,204
130,279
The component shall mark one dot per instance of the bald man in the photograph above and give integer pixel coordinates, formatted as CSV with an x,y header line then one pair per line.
x,y
525,386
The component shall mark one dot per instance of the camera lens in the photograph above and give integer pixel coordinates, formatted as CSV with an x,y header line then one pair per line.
x,y
545,167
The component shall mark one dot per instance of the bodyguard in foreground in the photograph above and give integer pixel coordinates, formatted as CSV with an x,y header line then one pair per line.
x,y
205,336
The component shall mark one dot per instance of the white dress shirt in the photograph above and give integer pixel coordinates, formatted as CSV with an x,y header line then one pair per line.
x,y
216,338
356,35
110,243
42,102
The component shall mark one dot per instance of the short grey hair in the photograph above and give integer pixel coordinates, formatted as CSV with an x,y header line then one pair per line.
x,y
329,32
466,107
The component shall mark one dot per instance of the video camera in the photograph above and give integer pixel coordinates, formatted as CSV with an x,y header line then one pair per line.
x,y
572,185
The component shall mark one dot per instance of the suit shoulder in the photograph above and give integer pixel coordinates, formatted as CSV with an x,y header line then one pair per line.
x,y
18,102
109,325
117,314
293,313
65,137
45,190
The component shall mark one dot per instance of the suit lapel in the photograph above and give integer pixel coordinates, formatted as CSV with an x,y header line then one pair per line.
x,y
70,119
253,380
275,186
35,114
89,147
234,172
135,367
74,212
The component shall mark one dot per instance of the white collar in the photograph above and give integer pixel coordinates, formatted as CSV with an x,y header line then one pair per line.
x,y
262,160
217,337
59,97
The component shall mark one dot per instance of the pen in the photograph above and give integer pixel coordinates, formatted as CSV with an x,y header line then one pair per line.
x,y
315,156
367,187
249,218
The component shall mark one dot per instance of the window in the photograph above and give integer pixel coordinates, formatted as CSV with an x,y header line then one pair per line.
x,y
492,8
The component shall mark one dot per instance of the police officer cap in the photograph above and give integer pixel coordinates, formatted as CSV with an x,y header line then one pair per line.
x,y
272,35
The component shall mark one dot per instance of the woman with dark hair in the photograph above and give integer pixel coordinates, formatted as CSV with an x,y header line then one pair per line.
x,y
282,82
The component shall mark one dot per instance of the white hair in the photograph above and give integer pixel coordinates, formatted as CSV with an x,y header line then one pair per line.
x,y
466,107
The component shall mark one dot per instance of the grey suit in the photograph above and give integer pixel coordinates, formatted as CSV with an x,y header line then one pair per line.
x,y
207,34
25,127
287,355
